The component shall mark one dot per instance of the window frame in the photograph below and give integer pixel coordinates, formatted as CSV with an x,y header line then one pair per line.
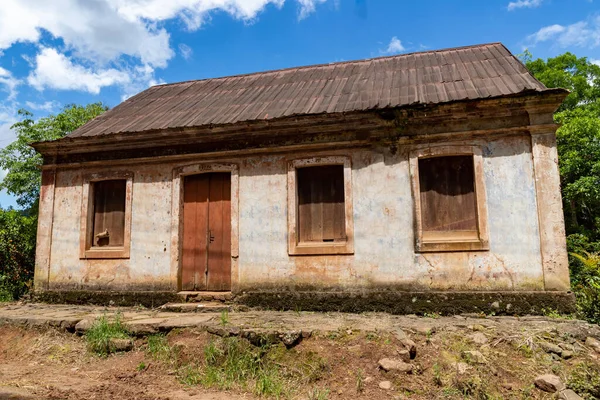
x,y
87,250
317,248
451,241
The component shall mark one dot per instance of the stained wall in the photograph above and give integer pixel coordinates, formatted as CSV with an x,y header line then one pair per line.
x,y
384,243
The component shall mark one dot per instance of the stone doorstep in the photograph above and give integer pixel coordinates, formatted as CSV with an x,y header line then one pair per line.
x,y
198,297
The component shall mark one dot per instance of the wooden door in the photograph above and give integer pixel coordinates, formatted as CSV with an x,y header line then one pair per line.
x,y
206,258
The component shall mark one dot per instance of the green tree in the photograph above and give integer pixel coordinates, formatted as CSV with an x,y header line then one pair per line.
x,y
567,71
23,163
18,228
578,144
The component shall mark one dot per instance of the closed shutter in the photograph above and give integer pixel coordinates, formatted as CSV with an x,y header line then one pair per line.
x,y
109,213
447,187
321,208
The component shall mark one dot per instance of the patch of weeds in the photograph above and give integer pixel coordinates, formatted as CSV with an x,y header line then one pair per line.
x,y
372,336
318,394
437,375
158,348
433,315
360,381
235,363
189,375
450,392
475,387
141,366
554,314
224,317
585,380
99,336
5,295
527,392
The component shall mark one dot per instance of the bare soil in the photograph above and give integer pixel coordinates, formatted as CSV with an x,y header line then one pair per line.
x,y
50,364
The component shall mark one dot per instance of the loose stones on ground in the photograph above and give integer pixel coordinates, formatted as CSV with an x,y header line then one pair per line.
x,y
394,364
549,383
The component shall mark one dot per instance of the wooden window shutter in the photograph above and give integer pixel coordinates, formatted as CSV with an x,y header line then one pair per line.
x,y
109,213
447,190
321,205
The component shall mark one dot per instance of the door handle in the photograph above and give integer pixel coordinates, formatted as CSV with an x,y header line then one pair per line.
x,y
211,238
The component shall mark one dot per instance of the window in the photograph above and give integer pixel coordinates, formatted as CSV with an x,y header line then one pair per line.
x,y
449,199
109,213
106,215
320,206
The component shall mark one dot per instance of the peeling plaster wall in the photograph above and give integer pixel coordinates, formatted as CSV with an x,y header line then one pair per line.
x,y
384,256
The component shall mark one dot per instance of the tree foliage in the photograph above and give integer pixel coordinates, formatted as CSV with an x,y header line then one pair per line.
x,y
18,228
578,143
23,163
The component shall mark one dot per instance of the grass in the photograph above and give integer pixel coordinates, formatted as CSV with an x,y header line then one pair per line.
x,y
224,317
159,349
233,363
99,336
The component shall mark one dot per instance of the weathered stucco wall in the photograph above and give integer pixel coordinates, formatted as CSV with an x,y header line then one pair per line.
x,y
384,256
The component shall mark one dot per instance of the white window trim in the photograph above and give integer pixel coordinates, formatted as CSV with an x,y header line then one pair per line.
x,y
451,242
312,248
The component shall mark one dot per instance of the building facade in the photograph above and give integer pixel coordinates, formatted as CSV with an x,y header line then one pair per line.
x,y
422,175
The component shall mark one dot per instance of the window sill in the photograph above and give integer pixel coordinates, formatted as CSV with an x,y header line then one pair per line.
x,y
333,248
430,246
106,252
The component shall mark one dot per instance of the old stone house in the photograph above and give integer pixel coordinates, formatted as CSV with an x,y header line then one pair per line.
x,y
384,183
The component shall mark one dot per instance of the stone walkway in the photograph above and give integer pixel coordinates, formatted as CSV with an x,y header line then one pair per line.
x,y
141,321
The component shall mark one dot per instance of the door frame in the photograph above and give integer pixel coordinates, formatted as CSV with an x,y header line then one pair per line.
x,y
179,174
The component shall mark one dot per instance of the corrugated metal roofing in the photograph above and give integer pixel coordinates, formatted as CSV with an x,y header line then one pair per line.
x,y
465,73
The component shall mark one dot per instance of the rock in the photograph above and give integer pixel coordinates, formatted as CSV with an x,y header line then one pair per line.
x,y
120,344
393,364
568,394
83,325
385,385
400,334
551,348
424,329
593,343
290,338
404,355
474,356
411,346
566,354
460,367
549,383
478,338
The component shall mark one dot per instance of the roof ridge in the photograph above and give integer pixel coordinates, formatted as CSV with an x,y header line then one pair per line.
x,y
361,60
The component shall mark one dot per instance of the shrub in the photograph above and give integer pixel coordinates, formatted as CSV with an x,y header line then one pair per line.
x,y
17,253
586,284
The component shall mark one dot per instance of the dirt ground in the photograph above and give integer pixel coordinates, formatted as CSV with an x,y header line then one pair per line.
x,y
38,363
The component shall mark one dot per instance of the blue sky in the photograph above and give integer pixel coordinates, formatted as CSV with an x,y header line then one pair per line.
x,y
59,52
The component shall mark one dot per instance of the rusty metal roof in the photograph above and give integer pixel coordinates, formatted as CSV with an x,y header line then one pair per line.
x,y
465,73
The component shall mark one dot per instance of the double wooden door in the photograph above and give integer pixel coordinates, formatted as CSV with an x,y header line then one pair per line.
x,y
206,258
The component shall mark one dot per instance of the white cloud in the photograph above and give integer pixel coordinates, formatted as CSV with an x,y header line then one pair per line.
x,y
107,40
308,7
394,47
9,83
580,34
47,106
185,50
513,5
56,71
